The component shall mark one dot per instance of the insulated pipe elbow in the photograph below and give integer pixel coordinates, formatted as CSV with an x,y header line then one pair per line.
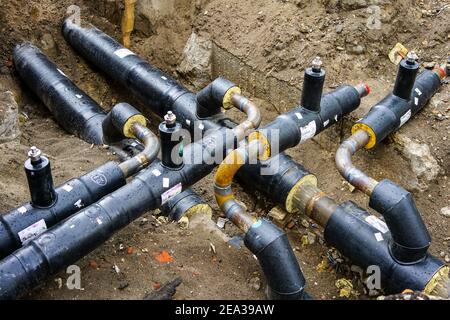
x,y
410,236
214,96
365,240
277,259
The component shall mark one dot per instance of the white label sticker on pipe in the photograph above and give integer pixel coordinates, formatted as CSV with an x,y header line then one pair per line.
x,y
379,237
378,224
67,187
122,53
299,115
326,123
32,231
22,210
308,131
405,118
418,91
166,182
171,193
156,172
79,204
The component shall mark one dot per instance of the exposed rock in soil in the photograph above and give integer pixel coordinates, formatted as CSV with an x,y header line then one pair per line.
x,y
196,63
422,162
9,123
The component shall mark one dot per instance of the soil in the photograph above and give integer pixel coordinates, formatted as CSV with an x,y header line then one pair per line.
x,y
277,37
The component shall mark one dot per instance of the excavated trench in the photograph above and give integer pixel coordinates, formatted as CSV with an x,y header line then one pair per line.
x,y
172,36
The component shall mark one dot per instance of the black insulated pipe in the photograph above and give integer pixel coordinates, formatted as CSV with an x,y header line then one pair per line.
x,y
275,177
176,207
277,259
75,111
406,76
210,98
358,236
393,112
171,147
157,91
21,224
300,124
114,123
313,83
78,235
40,180
410,237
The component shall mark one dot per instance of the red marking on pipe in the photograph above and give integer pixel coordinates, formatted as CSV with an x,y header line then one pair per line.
x,y
441,72
368,89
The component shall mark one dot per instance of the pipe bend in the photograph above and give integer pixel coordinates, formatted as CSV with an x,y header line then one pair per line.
x,y
146,156
347,169
277,259
253,120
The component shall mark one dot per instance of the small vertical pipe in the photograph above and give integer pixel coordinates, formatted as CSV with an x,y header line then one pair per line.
x,y
313,86
170,135
406,76
40,181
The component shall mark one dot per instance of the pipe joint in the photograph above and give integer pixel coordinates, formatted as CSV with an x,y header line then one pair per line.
x,y
410,237
277,259
215,96
345,166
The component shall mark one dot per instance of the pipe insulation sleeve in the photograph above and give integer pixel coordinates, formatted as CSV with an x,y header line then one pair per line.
x,y
300,124
393,112
75,111
16,226
410,237
181,204
352,231
277,259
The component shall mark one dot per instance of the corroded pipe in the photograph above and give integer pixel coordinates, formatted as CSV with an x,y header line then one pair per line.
x,y
345,166
253,116
146,156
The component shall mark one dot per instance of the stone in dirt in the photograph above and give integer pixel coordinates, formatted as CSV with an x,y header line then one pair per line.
x,y
9,121
196,63
422,162
446,211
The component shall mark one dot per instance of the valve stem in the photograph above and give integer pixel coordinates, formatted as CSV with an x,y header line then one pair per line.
x,y
316,64
170,119
411,57
34,154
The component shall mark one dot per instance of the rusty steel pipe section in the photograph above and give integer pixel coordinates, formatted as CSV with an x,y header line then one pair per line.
x,y
314,203
345,166
253,116
146,156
